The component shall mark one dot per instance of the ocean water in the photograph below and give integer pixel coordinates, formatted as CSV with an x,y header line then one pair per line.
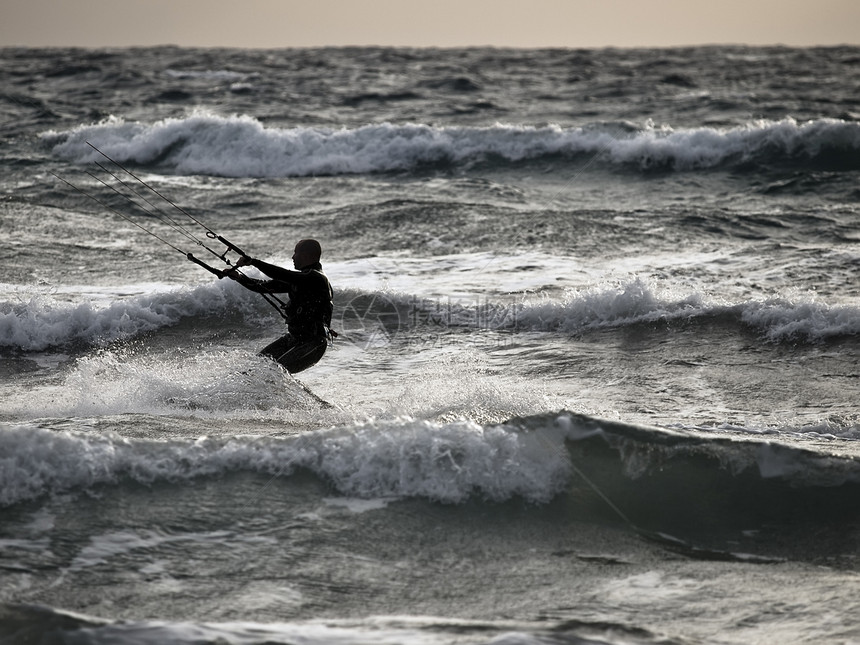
x,y
597,372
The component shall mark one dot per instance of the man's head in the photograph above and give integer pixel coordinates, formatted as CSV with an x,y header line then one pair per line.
x,y
307,253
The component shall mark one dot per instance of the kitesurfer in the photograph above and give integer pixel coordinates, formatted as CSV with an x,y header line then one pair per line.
x,y
308,312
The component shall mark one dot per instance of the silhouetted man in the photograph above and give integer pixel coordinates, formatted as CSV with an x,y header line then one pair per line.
x,y
308,311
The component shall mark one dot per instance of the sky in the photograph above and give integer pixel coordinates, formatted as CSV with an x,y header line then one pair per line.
x,y
427,23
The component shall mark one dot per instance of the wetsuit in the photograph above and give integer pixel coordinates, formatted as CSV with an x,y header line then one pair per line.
x,y
308,312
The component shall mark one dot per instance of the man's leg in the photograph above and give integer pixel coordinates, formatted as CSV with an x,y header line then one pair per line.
x,y
295,356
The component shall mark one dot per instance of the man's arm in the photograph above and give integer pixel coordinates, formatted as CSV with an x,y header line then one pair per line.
x,y
275,272
259,286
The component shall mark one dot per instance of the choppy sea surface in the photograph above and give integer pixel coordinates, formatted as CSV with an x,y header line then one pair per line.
x,y
597,372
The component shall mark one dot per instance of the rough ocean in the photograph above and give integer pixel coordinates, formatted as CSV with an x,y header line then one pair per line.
x,y
596,378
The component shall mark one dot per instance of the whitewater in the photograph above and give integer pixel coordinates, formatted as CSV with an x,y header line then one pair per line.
x,y
596,377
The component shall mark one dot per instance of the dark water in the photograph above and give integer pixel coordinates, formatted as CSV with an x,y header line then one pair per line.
x,y
597,374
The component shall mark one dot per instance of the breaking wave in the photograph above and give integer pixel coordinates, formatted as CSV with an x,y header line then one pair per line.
x,y
40,323
636,302
448,462
241,146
